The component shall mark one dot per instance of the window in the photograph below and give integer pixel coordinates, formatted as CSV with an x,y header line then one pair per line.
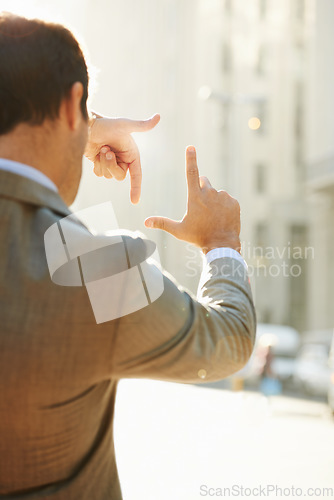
x,y
299,132
300,10
298,276
261,60
299,116
261,234
298,237
260,178
227,57
263,8
228,6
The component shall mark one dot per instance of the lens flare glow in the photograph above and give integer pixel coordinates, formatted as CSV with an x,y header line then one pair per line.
x,y
46,10
254,123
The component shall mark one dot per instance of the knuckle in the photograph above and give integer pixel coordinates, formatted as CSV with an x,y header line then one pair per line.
x,y
236,203
229,200
107,172
135,175
118,172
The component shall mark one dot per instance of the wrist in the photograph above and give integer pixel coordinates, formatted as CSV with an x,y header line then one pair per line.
x,y
228,243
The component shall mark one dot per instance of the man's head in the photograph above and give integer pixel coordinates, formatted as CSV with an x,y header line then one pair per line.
x,y
39,64
43,92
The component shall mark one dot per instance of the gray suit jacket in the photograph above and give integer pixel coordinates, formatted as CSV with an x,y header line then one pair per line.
x,y
59,368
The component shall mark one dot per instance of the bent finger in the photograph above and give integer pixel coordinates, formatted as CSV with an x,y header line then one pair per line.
x,y
97,167
109,166
135,181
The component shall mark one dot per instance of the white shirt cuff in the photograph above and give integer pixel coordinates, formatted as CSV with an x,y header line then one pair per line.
x,y
218,253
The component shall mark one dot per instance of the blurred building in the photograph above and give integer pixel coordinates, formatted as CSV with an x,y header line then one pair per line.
x,y
320,167
234,78
254,64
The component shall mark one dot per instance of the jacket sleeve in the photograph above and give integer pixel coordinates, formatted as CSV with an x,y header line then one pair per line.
x,y
181,338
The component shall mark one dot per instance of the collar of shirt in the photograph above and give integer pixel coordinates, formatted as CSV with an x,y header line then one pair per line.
x,y
28,172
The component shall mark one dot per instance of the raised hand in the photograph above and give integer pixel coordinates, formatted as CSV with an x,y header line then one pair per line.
x,y
212,219
113,150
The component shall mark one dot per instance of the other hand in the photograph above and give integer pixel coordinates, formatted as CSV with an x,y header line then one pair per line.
x,y
113,150
212,219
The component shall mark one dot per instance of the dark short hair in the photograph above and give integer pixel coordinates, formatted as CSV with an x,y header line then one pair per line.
x,y
39,63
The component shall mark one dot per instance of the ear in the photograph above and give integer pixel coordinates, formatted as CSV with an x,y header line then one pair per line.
x,y
72,106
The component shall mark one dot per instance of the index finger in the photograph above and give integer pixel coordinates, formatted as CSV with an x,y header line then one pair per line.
x,y
135,181
192,173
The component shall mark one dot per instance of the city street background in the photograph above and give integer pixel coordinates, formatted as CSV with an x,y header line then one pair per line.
x,y
171,439
251,84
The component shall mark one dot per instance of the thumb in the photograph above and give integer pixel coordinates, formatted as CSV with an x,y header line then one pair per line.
x,y
168,225
140,125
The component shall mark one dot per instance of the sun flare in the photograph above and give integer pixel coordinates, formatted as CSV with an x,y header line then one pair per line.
x,y
33,9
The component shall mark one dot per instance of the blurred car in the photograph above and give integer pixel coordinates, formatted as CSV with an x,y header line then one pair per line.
x,y
284,342
331,377
312,373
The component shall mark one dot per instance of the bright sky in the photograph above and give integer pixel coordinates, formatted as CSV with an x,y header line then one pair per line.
x,y
33,8
61,11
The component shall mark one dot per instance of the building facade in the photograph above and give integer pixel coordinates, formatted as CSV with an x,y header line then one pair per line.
x,y
320,167
240,80
255,80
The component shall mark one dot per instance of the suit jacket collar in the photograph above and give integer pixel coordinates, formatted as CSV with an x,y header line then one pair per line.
x,y
28,191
